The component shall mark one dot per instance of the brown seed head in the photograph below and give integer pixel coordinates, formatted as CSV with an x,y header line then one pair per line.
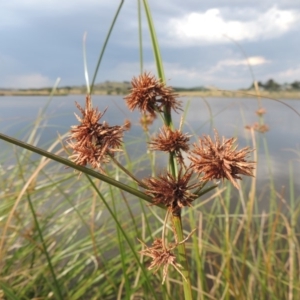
x,y
262,128
261,111
219,160
170,141
162,255
91,141
161,258
146,120
150,95
173,193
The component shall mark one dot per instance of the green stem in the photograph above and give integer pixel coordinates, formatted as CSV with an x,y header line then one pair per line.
x,y
86,73
56,284
140,36
125,235
172,161
82,169
182,258
127,172
104,45
156,51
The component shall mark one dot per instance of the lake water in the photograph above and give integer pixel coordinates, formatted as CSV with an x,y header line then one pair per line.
x,y
228,116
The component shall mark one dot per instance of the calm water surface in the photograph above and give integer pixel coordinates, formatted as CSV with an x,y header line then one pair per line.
x,y
229,116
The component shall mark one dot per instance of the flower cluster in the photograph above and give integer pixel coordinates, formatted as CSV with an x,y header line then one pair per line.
x,y
146,120
162,255
93,142
219,159
161,258
262,128
171,141
172,192
261,111
150,95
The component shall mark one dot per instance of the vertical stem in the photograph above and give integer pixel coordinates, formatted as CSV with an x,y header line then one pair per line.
x,y
140,36
172,162
156,50
86,73
104,45
182,258
57,289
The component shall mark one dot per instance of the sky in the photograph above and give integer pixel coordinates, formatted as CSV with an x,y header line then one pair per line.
x,y
203,43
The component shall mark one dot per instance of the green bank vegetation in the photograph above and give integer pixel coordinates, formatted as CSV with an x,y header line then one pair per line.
x,y
269,90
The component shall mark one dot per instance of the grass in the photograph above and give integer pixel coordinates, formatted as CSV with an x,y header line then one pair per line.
x,y
239,252
70,237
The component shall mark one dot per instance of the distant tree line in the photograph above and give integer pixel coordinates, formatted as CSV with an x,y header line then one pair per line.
x,y
272,85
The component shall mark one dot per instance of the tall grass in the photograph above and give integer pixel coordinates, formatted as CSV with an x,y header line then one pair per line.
x,y
70,237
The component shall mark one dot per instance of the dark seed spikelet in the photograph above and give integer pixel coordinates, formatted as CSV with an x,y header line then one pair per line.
x,y
173,193
220,160
171,141
150,95
262,128
162,255
261,111
91,141
146,120
161,258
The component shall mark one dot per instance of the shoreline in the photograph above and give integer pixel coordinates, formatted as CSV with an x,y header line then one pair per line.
x,y
210,93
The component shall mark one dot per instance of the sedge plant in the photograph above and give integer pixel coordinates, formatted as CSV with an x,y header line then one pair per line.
x,y
190,173
192,170
180,184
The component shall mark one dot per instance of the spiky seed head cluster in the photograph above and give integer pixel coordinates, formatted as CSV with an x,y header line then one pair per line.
x,y
92,142
220,159
146,120
150,95
262,128
170,141
161,257
261,111
171,192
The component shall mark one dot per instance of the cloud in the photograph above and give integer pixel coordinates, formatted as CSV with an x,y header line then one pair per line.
x,y
256,60
288,75
225,73
253,61
25,13
33,80
211,26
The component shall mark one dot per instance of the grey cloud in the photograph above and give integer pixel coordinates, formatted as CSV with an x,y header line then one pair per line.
x,y
46,39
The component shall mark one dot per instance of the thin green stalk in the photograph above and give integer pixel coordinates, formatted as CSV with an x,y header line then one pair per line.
x,y
227,242
292,238
129,168
8,291
156,50
121,247
182,258
57,289
86,73
172,162
132,248
127,172
104,45
140,36
82,169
